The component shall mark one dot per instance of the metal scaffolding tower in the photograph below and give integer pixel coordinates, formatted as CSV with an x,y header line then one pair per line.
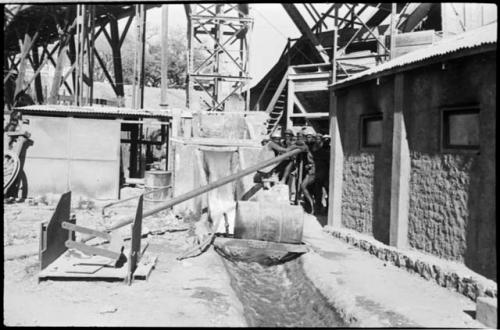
x,y
218,54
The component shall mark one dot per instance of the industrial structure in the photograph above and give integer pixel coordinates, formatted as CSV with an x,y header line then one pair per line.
x,y
406,92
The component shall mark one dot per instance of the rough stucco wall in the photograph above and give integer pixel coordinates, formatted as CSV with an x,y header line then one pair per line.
x,y
365,169
452,207
357,195
452,193
439,203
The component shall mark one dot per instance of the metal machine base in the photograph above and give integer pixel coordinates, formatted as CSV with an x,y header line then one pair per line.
x,y
61,257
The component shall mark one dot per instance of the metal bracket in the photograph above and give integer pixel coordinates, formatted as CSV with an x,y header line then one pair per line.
x,y
115,252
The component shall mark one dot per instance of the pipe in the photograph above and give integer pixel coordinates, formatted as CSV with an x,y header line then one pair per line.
x,y
133,197
204,189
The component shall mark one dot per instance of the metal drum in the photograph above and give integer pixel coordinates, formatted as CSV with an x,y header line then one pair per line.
x,y
155,180
266,221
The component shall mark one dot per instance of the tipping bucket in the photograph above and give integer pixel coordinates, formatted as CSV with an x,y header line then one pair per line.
x,y
274,222
154,180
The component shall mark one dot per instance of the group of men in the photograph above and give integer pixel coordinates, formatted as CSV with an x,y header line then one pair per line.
x,y
310,167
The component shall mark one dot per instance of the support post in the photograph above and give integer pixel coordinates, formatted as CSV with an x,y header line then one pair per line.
x,y
138,85
22,66
303,27
189,80
393,31
56,82
164,56
336,167
400,171
38,79
336,151
90,52
143,55
134,137
117,61
290,102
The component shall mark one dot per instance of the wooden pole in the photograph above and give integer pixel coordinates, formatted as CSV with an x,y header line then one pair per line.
x,y
290,102
143,56
400,171
336,152
56,83
90,52
22,66
189,82
136,53
393,31
38,80
117,60
164,56
334,56
217,50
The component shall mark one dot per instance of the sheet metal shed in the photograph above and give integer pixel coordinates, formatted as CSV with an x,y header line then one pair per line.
x,y
78,148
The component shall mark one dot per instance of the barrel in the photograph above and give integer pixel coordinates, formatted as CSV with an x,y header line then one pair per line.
x,y
269,221
154,180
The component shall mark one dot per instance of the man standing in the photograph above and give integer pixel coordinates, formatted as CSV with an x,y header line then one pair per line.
x,y
309,168
321,157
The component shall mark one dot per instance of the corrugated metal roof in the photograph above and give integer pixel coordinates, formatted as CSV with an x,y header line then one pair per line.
x,y
467,40
96,111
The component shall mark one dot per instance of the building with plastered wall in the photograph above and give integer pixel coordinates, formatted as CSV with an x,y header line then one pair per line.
x,y
413,150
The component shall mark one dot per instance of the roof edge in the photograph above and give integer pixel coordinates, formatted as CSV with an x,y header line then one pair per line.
x,y
463,52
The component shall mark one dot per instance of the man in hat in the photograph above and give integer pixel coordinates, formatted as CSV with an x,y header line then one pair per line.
x,y
270,150
286,166
309,167
288,137
276,137
321,156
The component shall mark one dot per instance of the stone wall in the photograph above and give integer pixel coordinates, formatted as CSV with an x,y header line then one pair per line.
x,y
452,193
438,210
363,177
357,193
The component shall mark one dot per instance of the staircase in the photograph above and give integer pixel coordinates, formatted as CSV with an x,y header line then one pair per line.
x,y
276,113
276,106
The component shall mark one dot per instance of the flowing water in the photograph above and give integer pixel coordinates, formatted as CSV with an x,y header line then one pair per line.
x,y
280,296
274,296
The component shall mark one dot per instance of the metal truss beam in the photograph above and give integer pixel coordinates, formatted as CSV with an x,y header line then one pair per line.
x,y
301,24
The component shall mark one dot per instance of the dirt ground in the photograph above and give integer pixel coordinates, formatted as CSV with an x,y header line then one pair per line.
x,y
191,292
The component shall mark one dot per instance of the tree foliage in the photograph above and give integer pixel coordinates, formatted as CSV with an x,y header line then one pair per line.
x,y
177,58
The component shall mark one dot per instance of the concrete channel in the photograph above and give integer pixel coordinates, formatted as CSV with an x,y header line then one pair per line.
x,y
280,296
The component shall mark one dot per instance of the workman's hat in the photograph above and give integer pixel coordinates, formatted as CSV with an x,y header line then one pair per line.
x,y
326,136
308,131
276,133
289,132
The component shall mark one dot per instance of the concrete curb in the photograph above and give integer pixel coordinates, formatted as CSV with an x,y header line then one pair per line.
x,y
341,299
465,284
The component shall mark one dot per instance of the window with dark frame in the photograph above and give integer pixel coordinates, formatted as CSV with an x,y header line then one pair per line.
x,y
371,130
460,128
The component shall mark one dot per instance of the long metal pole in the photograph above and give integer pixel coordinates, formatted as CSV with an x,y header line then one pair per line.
x,y
204,189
